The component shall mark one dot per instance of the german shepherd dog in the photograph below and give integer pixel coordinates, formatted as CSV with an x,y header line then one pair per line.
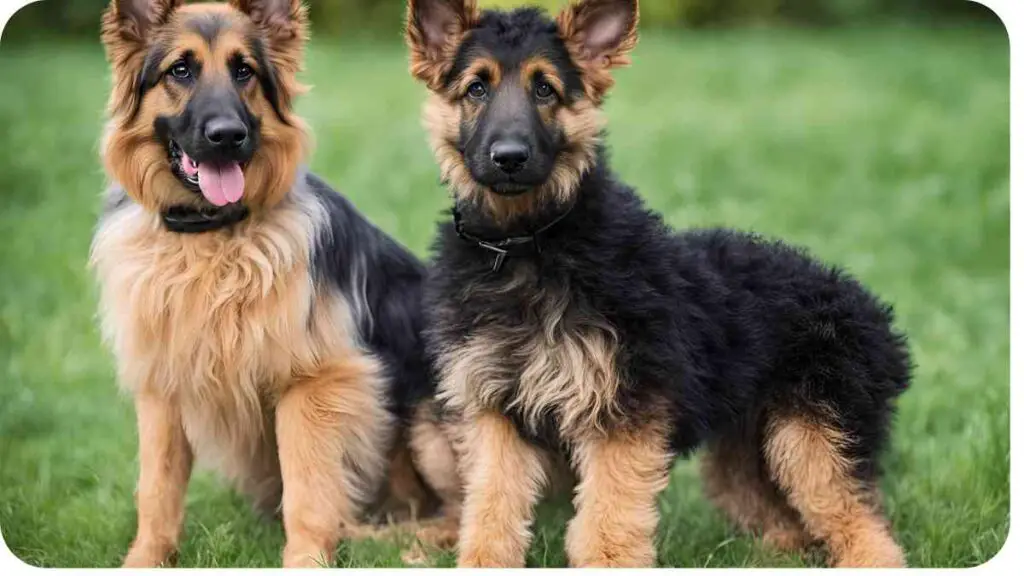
x,y
260,322
570,322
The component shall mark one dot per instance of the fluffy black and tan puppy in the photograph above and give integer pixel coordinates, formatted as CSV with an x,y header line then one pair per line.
x,y
569,320
261,324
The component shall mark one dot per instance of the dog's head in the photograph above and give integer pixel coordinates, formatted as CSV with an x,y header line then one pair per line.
x,y
201,106
513,115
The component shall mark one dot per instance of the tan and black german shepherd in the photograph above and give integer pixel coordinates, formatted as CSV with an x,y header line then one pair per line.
x,y
262,325
570,323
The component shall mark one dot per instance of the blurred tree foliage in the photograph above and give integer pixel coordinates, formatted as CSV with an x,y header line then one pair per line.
x,y
696,13
384,17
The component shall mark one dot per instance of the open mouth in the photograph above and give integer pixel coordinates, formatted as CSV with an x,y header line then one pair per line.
x,y
221,183
191,178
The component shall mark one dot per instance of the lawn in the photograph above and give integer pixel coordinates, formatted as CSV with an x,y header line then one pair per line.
x,y
884,150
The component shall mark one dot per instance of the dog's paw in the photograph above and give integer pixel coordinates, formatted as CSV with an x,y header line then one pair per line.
x,y
586,547
149,555
296,557
786,539
878,552
476,560
488,557
440,534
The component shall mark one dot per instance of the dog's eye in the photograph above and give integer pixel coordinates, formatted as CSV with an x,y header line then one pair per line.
x,y
180,70
243,73
477,90
543,90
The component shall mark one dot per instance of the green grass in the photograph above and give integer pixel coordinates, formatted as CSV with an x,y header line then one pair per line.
x,y
883,150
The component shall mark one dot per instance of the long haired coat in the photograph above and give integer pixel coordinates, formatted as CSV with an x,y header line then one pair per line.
x,y
263,326
570,322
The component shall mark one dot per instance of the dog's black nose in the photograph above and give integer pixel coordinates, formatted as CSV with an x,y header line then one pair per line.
x,y
509,155
226,132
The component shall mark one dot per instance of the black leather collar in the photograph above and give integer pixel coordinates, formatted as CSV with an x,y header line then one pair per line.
x,y
502,247
191,220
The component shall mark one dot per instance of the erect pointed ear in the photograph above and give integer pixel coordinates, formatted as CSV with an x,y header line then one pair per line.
x,y
433,29
284,24
282,20
127,23
599,34
126,26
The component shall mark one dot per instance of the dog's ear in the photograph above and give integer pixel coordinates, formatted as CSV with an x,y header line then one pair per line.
x,y
126,26
433,29
599,35
284,24
127,23
281,20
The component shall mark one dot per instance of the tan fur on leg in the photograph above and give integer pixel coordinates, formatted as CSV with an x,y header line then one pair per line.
x,y
330,430
616,501
259,476
805,458
734,482
406,499
504,479
165,463
435,459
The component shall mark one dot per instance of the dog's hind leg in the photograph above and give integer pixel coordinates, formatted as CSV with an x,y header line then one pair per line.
x,y
433,453
259,476
406,499
806,458
331,430
165,463
422,479
736,480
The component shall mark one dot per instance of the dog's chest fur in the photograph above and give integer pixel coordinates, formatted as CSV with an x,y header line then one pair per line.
x,y
543,359
219,322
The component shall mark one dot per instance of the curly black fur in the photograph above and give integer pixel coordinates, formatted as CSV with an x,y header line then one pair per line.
x,y
724,327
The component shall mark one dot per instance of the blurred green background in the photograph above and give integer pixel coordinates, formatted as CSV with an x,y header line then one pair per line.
x,y
378,17
875,132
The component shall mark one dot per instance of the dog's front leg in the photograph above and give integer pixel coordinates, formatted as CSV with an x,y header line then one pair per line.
x,y
621,475
504,480
165,463
331,429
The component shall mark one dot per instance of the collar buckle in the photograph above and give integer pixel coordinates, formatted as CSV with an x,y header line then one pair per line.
x,y
499,254
500,248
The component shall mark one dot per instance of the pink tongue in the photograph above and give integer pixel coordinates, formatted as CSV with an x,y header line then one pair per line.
x,y
186,165
221,184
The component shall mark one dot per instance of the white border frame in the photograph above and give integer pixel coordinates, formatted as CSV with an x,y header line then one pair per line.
x,y
1011,12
